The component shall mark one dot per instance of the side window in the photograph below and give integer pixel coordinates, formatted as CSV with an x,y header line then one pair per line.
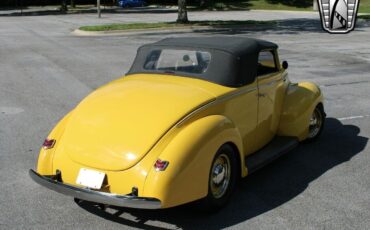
x,y
266,63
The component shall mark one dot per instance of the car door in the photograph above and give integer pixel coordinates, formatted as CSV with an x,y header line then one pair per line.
x,y
271,91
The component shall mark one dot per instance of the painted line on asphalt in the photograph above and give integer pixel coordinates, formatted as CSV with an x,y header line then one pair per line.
x,y
353,117
345,83
10,110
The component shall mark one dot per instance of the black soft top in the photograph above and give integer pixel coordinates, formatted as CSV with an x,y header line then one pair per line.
x,y
233,59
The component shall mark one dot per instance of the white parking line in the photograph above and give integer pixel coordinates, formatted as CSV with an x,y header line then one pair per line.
x,y
353,117
10,110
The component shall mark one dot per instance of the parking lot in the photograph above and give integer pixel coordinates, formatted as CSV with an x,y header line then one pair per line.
x,y
45,71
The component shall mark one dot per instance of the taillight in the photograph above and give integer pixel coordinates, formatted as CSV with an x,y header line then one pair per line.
x,y
48,144
160,165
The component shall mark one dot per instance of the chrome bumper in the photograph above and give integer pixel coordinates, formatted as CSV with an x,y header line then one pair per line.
x,y
95,196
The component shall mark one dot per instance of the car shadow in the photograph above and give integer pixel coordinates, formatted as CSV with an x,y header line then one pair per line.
x,y
285,27
260,192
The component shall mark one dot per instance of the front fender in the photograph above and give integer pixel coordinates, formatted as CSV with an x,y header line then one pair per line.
x,y
190,154
300,101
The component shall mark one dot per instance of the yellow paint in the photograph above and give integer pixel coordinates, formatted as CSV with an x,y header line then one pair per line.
x,y
190,155
114,127
122,128
271,90
300,102
45,160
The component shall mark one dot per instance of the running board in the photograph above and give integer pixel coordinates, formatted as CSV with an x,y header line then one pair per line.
x,y
275,149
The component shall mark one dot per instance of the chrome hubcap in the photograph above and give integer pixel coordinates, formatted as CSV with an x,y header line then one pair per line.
x,y
315,123
220,176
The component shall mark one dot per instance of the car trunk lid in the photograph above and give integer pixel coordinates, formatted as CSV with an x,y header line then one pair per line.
x,y
114,127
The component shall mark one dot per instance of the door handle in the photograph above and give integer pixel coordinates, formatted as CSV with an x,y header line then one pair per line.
x,y
261,95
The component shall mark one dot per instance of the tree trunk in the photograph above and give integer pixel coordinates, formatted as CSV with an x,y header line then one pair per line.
x,y
63,6
73,3
315,6
98,8
182,12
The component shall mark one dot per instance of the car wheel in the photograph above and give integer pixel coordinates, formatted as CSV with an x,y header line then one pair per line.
x,y
222,178
316,124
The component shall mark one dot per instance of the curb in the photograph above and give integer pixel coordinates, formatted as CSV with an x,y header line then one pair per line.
x,y
171,30
78,32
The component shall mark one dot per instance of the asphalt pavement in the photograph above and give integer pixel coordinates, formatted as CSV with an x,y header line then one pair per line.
x,y
45,71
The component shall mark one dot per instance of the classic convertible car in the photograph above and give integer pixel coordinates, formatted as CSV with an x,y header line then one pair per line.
x,y
191,116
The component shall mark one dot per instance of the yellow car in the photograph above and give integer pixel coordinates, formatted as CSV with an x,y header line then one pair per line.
x,y
191,117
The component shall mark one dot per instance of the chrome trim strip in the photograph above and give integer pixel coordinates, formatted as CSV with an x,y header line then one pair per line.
x,y
95,196
269,83
214,102
236,93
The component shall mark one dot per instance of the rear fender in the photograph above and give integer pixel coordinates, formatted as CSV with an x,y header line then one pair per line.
x,y
45,160
190,154
300,102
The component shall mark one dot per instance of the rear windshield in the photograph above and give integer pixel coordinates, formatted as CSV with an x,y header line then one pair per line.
x,y
176,60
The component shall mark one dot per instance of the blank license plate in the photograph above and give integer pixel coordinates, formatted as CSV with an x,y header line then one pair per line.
x,y
90,178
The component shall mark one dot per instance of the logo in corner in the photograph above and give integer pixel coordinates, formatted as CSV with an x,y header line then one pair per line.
x,y
338,16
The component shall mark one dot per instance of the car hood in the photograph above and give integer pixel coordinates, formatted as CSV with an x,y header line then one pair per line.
x,y
115,126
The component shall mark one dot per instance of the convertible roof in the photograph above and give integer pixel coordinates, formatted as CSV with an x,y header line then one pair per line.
x,y
234,60
238,46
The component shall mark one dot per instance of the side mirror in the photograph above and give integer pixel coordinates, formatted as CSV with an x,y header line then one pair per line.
x,y
285,64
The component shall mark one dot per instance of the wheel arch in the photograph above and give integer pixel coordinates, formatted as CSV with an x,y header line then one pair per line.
x,y
321,105
238,156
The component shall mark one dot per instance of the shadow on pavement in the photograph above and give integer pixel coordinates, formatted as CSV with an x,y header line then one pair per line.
x,y
284,27
110,10
261,192
294,3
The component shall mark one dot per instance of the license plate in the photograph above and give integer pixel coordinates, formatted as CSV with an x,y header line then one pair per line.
x,y
90,178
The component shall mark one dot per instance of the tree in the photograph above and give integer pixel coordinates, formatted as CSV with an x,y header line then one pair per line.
x,y
182,16
204,3
63,6
73,3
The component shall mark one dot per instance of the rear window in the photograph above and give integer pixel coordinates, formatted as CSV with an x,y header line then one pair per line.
x,y
175,60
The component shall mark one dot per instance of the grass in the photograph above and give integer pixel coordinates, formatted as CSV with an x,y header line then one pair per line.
x,y
252,5
364,6
216,24
129,26
366,17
